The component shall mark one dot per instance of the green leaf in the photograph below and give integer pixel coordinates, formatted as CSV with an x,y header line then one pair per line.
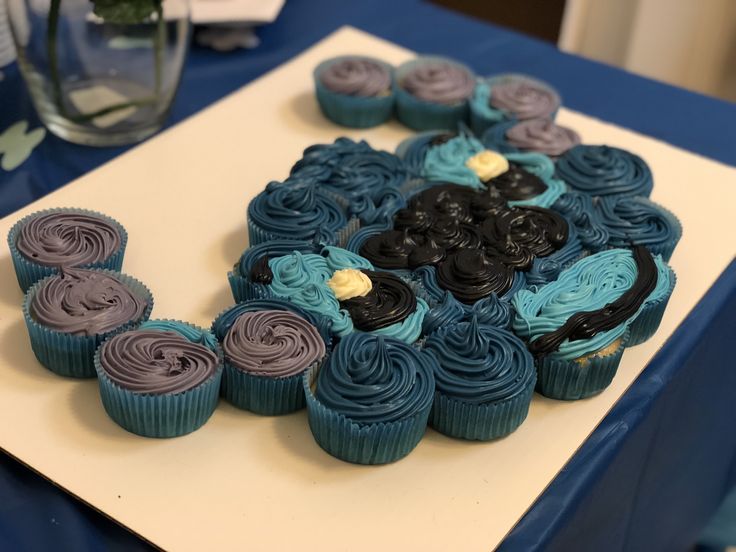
x,y
125,12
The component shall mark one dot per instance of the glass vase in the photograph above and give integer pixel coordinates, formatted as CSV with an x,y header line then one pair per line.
x,y
101,72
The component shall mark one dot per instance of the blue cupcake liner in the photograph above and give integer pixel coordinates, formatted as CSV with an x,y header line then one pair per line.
x,y
647,323
422,115
244,290
72,355
165,415
28,272
574,379
353,111
373,443
480,422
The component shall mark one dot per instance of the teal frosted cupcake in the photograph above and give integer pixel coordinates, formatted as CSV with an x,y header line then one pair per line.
x,y
42,242
268,345
433,93
578,325
355,91
161,379
484,381
369,402
69,314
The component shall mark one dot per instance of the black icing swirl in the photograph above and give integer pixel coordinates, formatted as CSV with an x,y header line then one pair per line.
x,y
390,249
470,275
516,184
390,301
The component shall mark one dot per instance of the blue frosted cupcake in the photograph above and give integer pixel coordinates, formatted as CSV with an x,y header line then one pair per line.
x,y
484,381
540,135
355,91
42,242
296,210
267,346
161,379
69,314
433,93
577,326
602,171
511,97
369,402
579,210
640,221
489,311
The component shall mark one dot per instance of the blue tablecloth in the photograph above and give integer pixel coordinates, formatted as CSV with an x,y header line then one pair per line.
x,y
658,465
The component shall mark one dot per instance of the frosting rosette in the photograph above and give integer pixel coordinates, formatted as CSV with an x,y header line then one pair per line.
x,y
44,241
484,380
370,400
161,379
579,210
640,221
296,210
539,135
602,171
356,76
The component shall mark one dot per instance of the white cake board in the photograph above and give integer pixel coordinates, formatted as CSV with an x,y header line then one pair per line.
x,y
258,483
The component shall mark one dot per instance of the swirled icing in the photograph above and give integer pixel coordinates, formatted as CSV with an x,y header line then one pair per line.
x,y
389,301
373,379
192,333
85,302
273,343
349,283
579,209
543,136
637,220
487,164
446,312
156,362
377,208
588,285
604,171
480,364
438,81
492,311
295,209
67,239
470,275
446,162
338,258
356,76
524,98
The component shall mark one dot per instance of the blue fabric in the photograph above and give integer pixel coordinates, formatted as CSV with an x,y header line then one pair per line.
x,y
656,467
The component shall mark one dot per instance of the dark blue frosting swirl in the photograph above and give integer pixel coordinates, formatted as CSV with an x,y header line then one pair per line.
x,y
378,207
480,364
448,311
580,212
604,171
371,379
492,311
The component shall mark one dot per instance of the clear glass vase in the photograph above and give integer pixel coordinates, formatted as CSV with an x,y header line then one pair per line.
x,y
101,72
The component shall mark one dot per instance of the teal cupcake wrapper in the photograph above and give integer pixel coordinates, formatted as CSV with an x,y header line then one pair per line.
x,y
572,379
647,323
28,272
343,235
376,443
480,422
243,290
72,355
353,111
160,416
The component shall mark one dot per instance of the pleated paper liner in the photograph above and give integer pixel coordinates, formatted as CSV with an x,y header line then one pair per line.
x,y
72,355
646,324
160,415
29,272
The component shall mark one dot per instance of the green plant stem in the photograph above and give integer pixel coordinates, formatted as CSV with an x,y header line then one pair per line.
x,y
158,47
51,39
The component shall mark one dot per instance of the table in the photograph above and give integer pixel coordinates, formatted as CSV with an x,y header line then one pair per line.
x,y
657,416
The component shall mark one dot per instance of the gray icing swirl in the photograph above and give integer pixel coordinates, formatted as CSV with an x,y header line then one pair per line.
x,y
524,98
439,82
156,362
67,239
273,343
85,302
543,136
356,77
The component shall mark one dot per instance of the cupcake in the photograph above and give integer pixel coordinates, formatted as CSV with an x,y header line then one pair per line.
x,y
42,242
540,135
484,381
266,354
640,221
577,326
355,91
511,97
369,402
432,93
296,210
69,314
161,379
602,171
579,211
490,311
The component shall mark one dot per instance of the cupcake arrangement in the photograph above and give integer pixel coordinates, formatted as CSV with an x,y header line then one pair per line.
x,y
494,254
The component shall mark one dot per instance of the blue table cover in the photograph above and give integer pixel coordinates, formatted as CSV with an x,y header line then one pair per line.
x,y
657,466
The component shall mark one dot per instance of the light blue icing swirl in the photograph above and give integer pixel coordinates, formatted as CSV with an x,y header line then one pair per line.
x,y
446,162
448,311
195,335
480,102
579,210
271,249
410,328
604,171
542,166
372,379
413,151
639,221
589,284
338,258
480,364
